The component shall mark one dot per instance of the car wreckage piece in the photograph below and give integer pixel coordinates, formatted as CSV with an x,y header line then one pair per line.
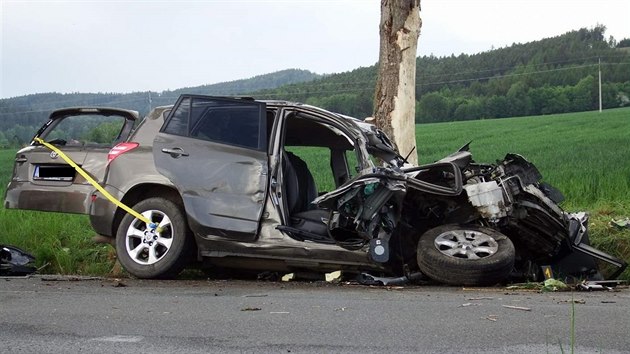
x,y
15,262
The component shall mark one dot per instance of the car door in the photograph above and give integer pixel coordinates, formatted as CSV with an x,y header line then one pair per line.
x,y
42,180
214,150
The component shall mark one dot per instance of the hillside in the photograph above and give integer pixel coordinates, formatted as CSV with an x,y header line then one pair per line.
x,y
21,116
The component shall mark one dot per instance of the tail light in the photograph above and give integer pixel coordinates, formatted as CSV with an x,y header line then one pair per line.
x,y
119,150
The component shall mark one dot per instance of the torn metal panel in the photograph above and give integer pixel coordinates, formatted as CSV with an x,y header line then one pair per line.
x,y
368,279
601,285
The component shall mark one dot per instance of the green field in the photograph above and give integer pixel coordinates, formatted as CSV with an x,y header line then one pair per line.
x,y
61,243
585,155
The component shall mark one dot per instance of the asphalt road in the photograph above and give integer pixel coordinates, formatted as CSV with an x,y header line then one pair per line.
x,y
201,316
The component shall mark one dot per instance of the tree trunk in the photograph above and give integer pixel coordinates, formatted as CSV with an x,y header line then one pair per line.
x,y
395,94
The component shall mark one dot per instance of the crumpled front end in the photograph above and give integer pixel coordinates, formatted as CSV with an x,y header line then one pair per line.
x,y
511,198
369,207
391,209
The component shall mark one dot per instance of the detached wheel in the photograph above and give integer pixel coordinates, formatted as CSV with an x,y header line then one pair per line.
x,y
465,255
159,254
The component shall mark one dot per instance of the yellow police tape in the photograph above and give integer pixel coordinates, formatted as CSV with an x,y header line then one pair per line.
x,y
105,193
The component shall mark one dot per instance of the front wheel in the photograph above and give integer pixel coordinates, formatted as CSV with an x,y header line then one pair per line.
x,y
161,253
465,255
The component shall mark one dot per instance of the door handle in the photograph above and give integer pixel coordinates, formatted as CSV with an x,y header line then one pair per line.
x,y
175,152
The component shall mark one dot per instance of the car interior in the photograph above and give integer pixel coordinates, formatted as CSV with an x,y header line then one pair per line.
x,y
318,142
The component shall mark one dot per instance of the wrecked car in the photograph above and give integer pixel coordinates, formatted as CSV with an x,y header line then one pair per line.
x,y
225,181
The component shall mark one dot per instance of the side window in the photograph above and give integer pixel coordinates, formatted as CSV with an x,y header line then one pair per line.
x,y
223,120
232,125
178,124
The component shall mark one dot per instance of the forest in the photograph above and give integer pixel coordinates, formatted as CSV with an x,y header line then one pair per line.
x,y
551,75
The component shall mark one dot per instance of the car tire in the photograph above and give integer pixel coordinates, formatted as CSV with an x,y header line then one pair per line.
x,y
162,254
465,255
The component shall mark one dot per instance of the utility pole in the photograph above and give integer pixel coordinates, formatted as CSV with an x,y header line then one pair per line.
x,y
600,84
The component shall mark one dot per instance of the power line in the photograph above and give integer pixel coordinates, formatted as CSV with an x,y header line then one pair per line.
x,y
440,82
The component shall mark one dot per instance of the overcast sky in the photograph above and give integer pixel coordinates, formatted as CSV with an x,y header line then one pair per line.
x,y
125,46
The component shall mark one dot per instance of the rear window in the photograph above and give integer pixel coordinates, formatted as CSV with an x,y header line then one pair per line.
x,y
85,130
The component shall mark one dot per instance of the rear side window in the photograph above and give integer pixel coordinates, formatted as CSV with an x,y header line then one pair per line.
x,y
178,124
228,121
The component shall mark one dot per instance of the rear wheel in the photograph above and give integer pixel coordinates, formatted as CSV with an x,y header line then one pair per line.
x,y
465,255
161,253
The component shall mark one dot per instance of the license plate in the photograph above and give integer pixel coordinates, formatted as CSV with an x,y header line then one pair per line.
x,y
63,173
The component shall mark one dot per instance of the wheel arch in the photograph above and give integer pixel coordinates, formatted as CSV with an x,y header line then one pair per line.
x,y
145,191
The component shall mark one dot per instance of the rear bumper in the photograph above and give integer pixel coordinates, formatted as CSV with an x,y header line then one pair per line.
x,y
73,198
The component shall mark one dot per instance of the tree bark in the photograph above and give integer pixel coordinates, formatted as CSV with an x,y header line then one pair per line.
x,y
395,94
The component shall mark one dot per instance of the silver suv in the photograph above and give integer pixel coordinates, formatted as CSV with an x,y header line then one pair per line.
x,y
280,186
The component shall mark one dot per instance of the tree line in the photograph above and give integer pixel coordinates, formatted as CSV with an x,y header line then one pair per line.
x,y
552,75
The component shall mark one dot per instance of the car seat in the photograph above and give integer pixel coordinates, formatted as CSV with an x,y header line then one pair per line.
x,y
300,191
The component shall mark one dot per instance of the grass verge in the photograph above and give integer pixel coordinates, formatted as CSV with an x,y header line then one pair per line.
x,y
583,154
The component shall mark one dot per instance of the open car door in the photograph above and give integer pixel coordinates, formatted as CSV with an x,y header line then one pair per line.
x,y
44,181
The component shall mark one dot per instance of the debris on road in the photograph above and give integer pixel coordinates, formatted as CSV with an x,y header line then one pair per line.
x,y
525,286
333,277
573,301
368,279
492,318
251,309
517,308
599,285
554,285
288,277
117,283
59,277
15,262
480,298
